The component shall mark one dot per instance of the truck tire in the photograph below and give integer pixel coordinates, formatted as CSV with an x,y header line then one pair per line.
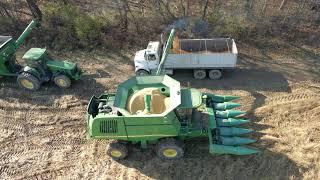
x,y
142,72
28,81
169,149
117,150
215,74
199,74
62,81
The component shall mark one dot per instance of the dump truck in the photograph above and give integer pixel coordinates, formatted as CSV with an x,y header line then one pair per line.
x,y
155,110
40,66
206,57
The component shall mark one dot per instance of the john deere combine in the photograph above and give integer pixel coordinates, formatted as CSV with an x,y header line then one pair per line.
x,y
155,110
40,67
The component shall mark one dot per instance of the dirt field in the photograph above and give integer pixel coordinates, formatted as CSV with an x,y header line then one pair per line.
x,y
43,136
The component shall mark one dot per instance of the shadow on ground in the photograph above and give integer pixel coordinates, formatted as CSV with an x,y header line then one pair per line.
x,y
49,92
198,163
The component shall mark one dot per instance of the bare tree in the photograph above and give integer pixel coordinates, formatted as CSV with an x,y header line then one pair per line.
x,y
36,12
205,9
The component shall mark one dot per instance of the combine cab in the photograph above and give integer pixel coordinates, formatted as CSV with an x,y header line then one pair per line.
x,y
155,110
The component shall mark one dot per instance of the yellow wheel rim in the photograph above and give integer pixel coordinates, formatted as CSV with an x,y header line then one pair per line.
x,y
27,84
115,153
170,153
62,82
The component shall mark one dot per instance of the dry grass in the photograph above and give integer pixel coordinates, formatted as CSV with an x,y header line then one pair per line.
x,y
42,135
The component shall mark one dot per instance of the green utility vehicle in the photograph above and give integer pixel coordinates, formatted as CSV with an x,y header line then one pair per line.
x,y
40,67
155,110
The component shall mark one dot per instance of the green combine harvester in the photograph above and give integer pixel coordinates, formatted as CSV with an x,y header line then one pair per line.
x,y
40,67
154,109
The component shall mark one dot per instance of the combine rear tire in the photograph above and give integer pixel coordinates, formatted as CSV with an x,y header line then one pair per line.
x,y
117,150
28,81
169,149
199,74
215,74
62,81
142,72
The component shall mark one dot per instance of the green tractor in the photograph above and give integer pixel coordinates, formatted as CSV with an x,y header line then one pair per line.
x,y
154,109
40,67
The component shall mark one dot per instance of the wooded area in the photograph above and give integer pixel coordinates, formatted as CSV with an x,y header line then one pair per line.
x,y
125,23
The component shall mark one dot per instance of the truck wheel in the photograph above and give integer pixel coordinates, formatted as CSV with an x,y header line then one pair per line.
x,y
199,74
215,74
117,150
62,81
28,81
142,72
169,149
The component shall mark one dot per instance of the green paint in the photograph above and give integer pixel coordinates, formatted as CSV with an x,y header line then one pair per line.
x,y
147,102
165,52
39,63
26,33
190,114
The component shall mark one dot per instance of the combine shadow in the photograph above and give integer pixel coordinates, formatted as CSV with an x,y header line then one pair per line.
x,y
199,164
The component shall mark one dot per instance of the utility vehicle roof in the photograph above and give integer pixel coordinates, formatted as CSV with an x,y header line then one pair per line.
x,y
34,53
190,98
4,40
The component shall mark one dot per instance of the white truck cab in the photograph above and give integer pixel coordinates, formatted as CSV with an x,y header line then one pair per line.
x,y
147,59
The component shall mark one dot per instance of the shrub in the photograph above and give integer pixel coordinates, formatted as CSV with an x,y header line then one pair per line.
x,y
69,28
232,26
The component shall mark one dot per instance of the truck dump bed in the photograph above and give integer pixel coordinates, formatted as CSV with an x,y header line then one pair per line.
x,y
217,45
4,40
218,53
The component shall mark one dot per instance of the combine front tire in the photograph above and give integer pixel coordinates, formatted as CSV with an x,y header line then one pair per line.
x,y
117,150
169,149
62,81
28,81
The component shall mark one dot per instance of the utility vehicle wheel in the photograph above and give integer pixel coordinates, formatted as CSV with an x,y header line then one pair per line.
x,y
215,74
62,81
199,74
28,81
169,149
117,150
142,72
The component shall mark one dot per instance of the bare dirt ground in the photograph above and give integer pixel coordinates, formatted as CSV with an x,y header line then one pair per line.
x,y
43,134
